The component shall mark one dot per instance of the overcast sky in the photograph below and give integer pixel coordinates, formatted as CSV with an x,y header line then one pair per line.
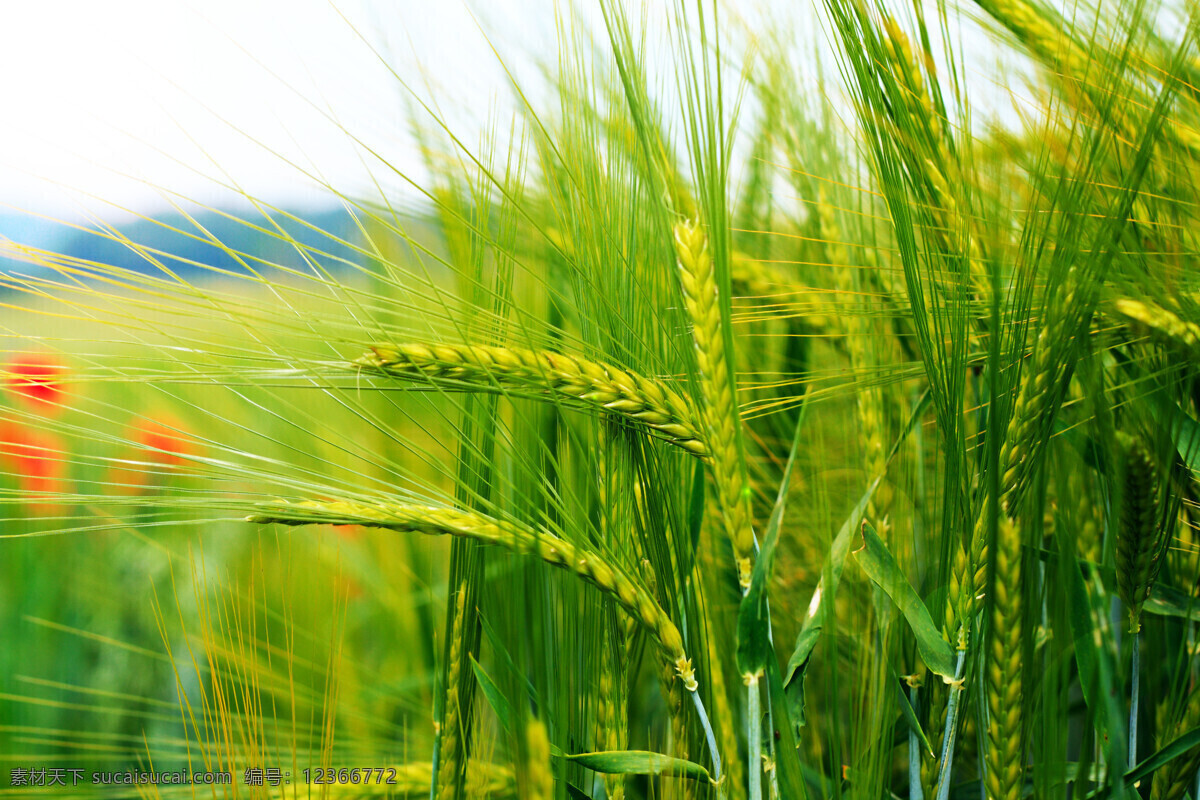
x,y
123,98
119,97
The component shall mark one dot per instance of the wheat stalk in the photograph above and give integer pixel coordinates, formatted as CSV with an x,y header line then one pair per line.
x,y
1039,384
968,577
603,387
870,398
1039,387
1139,556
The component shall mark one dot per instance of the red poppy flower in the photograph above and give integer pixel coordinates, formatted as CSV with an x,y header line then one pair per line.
x,y
37,459
38,379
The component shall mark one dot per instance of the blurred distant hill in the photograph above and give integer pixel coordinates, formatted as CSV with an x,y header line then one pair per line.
x,y
190,251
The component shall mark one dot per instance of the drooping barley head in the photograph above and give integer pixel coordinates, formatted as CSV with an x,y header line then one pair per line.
x,y
557,552
606,388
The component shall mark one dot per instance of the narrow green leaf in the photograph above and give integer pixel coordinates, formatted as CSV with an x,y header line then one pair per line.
x,y
1096,670
754,647
831,576
1168,602
575,793
881,567
755,650
640,762
819,605
1156,761
493,695
910,715
1184,429
787,758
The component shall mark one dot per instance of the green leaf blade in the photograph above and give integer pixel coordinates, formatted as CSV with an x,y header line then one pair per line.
x,y
877,561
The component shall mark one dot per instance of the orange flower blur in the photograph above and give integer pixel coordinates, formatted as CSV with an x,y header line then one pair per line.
x,y
37,378
163,441
161,444
37,459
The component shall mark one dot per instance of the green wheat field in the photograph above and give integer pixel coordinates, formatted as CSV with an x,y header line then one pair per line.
x,y
692,436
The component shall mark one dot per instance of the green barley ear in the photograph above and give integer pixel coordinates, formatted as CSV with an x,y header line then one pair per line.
x,y
612,711
1005,752
1090,76
1172,781
541,778
699,285
1163,326
1140,540
603,387
1042,390
1046,35
753,279
557,552
450,764
674,700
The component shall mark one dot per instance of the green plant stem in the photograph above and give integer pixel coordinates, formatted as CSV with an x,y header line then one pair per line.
x,y
753,740
708,734
943,783
1135,670
437,751
915,792
774,776
770,705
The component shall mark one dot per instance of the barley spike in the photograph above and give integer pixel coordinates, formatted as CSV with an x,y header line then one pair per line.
x,y
1005,755
1139,543
1162,325
606,388
611,713
554,551
451,753
698,283
1172,781
541,779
